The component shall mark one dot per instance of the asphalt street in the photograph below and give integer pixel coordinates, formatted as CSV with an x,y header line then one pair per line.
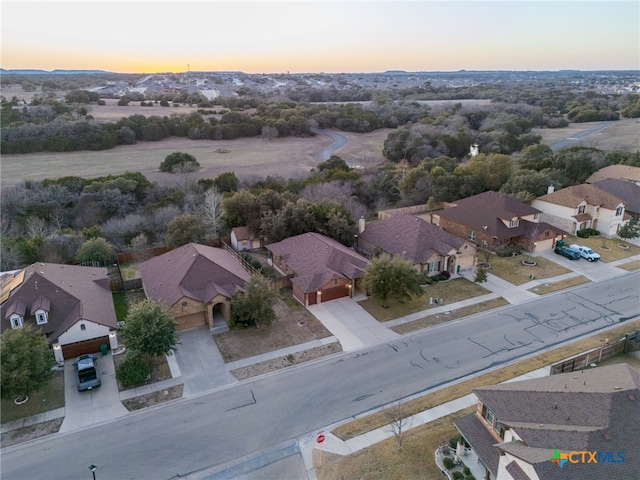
x,y
215,431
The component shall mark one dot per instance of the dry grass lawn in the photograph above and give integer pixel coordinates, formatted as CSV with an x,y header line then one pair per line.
x,y
49,397
513,271
381,461
545,288
450,291
293,325
630,265
621,135
608,248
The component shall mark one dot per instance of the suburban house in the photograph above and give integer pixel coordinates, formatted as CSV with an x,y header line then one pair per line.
x,y
626,191
72,305
196,282
582,206
320,268
578,425
428,247
242,238
493,220
621,172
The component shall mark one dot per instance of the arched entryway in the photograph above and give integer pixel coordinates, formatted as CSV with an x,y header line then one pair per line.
x,y
219,315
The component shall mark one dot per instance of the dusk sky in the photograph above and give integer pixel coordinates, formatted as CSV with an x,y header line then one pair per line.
x,y
327,36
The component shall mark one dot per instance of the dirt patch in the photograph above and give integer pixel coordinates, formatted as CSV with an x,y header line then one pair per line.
x,y
293,325
25,434
153,398
286,361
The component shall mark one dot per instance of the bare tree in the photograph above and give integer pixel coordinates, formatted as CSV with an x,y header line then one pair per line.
x,y
212,209
530,239
36,227
399,422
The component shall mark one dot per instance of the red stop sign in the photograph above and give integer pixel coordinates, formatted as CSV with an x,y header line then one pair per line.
x,y
320,438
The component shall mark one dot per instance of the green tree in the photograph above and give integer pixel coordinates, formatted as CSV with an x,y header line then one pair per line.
x,y
97,250
185,229
481,275
255,305
149,329
629,230
174,161
226,182
25,361
392,278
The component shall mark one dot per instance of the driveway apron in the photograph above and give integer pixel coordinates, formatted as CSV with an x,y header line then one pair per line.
x,y
200,362
95,406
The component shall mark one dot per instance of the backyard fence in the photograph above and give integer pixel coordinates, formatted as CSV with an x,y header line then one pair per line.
x,y
627,344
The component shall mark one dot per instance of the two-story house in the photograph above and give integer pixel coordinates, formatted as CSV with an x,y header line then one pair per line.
x,y
577,425
582,206
492,219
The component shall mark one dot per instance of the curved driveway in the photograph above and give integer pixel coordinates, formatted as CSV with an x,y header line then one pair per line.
x,y
209,433
339,141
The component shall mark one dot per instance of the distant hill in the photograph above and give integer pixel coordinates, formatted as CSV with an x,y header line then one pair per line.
x,y
52,72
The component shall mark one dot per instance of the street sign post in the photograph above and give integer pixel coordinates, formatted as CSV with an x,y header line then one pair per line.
x,y
319,440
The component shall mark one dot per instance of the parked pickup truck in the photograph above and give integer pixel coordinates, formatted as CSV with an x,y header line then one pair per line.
x,y
87,376
568,252
586,252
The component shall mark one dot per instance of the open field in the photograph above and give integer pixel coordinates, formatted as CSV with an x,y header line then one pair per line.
x,y
621,135
249,158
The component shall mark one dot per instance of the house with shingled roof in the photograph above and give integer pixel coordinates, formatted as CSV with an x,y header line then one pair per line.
x,y
429,248
492,220
582,206
242,238
628,192
320,268
71,305
627,173
196,282
523,430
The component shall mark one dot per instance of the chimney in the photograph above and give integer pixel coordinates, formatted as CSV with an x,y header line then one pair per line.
x,y
361,225
550,189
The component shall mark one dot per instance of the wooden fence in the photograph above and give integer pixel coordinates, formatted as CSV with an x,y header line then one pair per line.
x,y
626,344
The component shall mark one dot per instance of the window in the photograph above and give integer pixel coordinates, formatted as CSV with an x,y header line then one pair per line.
x,y
619,211
472,235
536,216
83,326
489,416
434,267
513,223
16,321
581,209
41,318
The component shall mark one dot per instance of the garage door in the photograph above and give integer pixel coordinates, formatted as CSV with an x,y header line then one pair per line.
x,y
73,350
191,321
335,292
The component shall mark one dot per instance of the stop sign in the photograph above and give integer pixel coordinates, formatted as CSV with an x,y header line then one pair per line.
x,y
320,438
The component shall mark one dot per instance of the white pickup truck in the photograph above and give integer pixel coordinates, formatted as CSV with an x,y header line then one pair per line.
x,y
586,252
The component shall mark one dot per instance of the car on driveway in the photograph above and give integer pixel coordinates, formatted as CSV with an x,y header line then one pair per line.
x,y
87,376
568,252
586,252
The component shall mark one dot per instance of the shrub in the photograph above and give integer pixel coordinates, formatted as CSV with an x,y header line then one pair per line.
x,y
134,370
466,471
587,232
509,251
453,441
448,463
469,477
457,476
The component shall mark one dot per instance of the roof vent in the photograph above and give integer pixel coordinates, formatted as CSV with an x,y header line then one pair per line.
x,y
632,397
607,436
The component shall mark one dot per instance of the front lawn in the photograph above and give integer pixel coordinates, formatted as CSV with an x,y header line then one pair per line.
x,y
513,271
608,248
49,397
450,291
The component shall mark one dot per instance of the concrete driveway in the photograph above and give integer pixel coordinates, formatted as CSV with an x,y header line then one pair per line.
x,y
100,405
351,324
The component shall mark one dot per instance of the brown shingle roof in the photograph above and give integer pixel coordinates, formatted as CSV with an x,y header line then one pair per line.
x,y
73,293
243,233
486,211
315,258
573,196
411,237
196,271
595,409
622,172
482,442
628,192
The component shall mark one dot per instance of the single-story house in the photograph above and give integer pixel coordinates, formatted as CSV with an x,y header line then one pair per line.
x,y
552,428
196,282
242,238
320,268
582,206
71,305
492,220
428,247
